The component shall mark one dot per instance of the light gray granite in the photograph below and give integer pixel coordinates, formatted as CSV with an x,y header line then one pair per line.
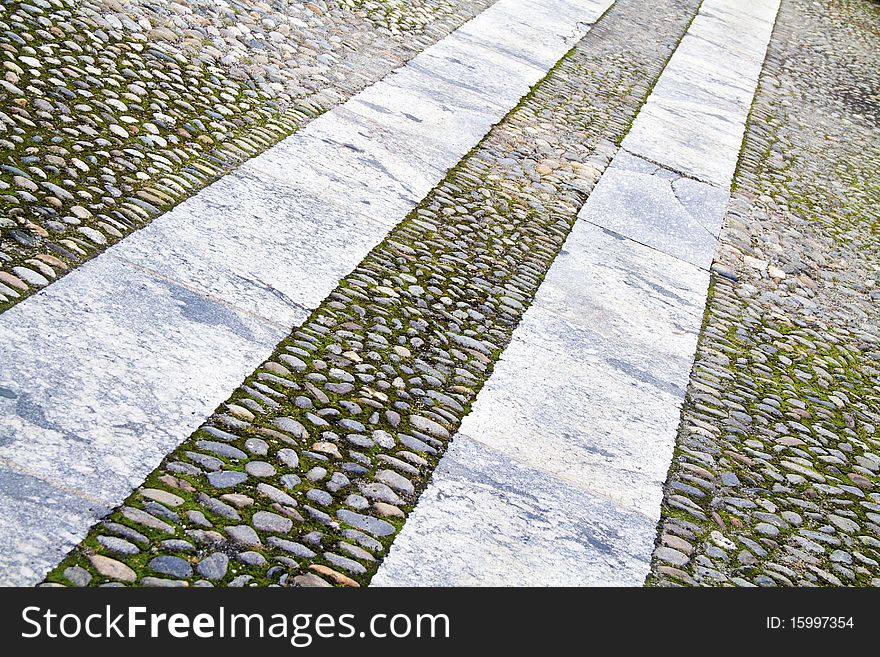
x,y
488,520
107,370
254,258
614,321
576,421
675,215
694,120
556,474
334,159
644,306
115,368
461,62
27,501
510,28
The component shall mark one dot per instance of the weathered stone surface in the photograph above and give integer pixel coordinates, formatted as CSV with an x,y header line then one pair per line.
x,y
771,444
107,567
172,566
175,300
414,329
213,566
243,535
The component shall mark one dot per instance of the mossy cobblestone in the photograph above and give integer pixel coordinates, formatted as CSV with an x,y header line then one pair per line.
x,y
776,477
112,112
327,446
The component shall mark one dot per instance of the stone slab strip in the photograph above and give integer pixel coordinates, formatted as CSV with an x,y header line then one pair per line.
x,y
110,368
567,446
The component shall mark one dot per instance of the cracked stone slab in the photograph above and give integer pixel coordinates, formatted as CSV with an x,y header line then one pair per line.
x,y
489,520
678,216
801,457
695,118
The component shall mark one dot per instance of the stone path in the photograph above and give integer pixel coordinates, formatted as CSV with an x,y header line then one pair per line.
x,y
775,476
115,112
305,474
567,447
457,325
136,348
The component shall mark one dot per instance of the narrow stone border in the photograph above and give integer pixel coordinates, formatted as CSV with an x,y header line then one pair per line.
x,y
566,449
305,474
108,370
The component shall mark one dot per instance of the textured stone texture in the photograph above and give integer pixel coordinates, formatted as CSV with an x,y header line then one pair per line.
x,y
140,327
775,480
112,112
411,333
588,392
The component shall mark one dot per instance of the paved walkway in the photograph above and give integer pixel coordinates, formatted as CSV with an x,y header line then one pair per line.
x,y
566,449
112,113
136,348
445,334
775,475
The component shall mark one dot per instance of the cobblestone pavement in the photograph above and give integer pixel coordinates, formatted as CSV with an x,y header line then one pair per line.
x,y
775,480
306,474
113,111
566,448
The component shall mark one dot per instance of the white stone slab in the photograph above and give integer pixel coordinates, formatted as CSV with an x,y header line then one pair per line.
x,y
658,211
614,321
575,420
26,501
694,120
470,66
254,257
488,520
114,369
334,158
429,116
644,307
511,29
